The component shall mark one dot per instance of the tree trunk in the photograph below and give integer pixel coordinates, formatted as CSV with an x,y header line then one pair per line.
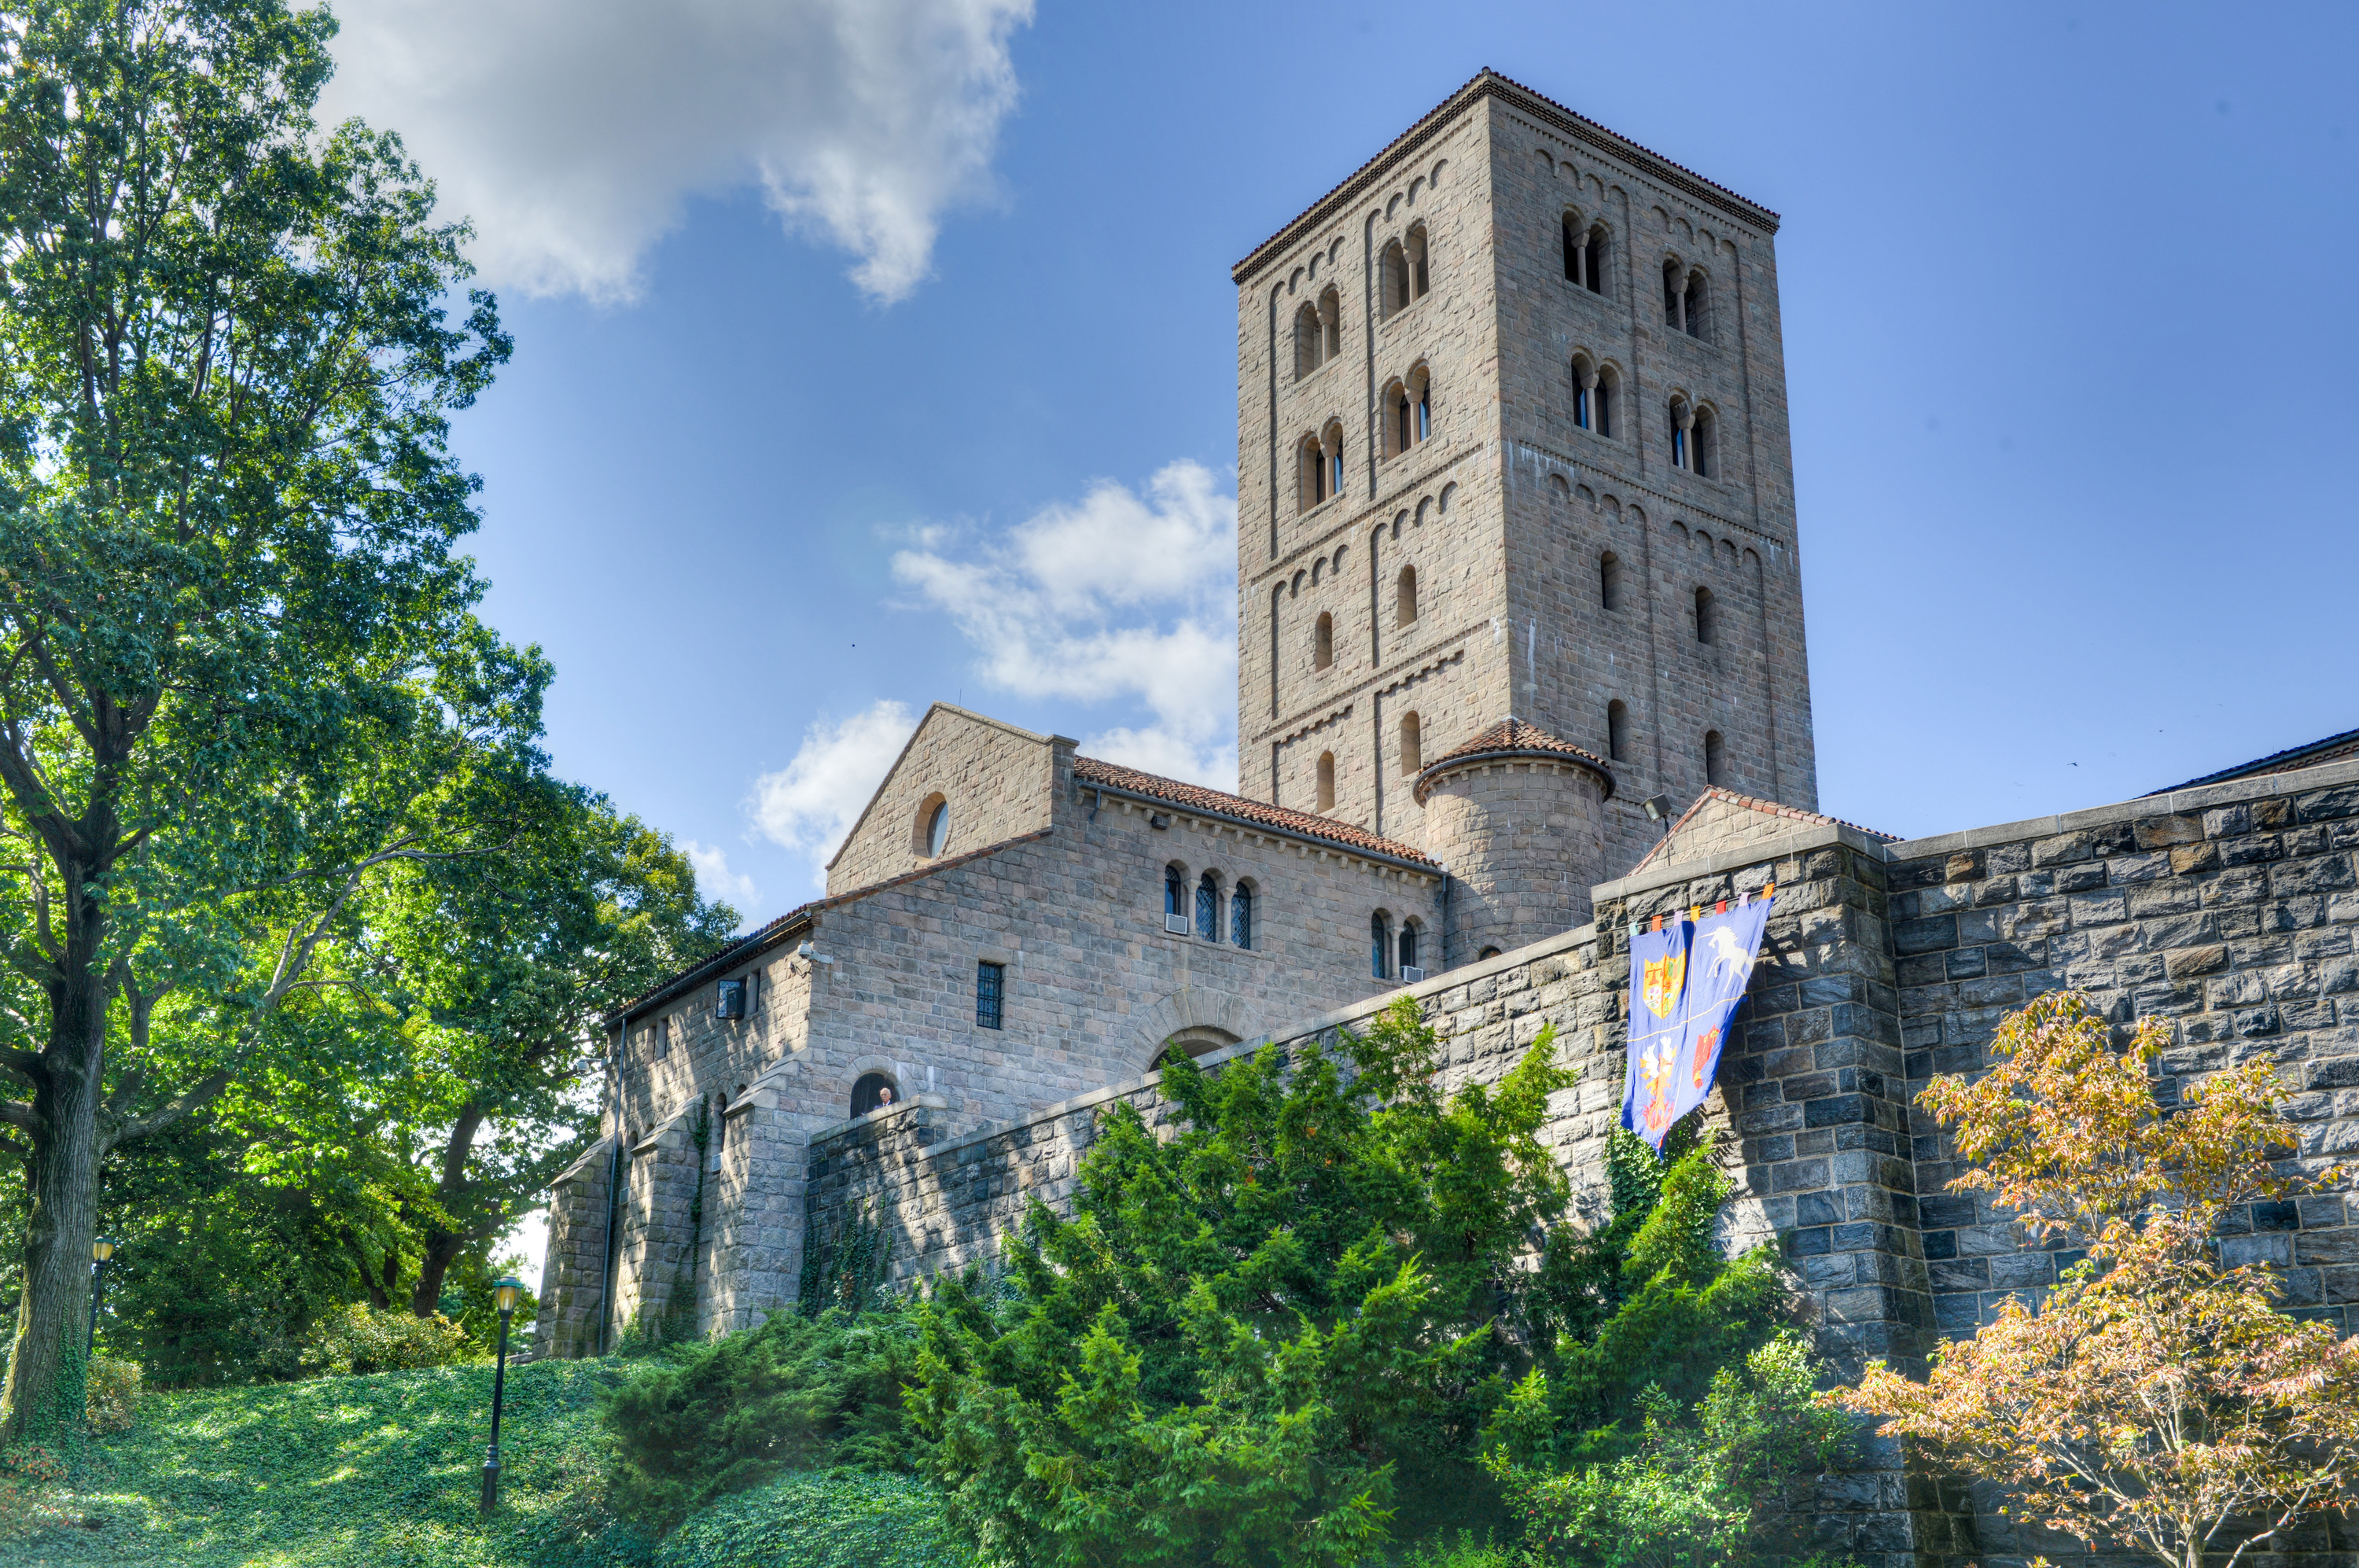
x,y
443,1247
45,1367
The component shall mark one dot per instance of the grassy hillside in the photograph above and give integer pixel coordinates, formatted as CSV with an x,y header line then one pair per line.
x,y
377,1472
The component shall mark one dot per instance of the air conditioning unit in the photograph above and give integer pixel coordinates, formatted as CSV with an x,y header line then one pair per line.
x,y
1411,974
1176,924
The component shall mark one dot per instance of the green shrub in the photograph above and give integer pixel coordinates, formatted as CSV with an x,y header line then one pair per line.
x,y
703,1422
111,1395
359,1338
32,1492
841,1519
1461,1551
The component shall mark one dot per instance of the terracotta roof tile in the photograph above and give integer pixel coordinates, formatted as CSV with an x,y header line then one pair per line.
x,y
1195,797
1512,737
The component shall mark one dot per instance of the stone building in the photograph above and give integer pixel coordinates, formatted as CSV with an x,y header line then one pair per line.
x,y
1517,575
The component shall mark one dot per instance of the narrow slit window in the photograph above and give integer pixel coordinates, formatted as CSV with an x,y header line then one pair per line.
x,y
1617,731
1326,781
1609,581
1716,759
990,989
1412,745
1323,641
1405,597
1707,617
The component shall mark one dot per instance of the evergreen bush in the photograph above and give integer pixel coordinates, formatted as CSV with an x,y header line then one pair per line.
x,y
842,1518
111,1395
360,1338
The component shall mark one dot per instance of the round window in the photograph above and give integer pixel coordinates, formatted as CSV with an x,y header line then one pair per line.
x,y
938,829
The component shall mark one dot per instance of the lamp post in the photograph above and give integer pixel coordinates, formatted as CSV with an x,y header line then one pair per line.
x,y
505,1293
100,1251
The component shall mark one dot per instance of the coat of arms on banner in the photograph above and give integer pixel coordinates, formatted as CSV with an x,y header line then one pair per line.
x,y
1655,1072
1664,977
1707,1052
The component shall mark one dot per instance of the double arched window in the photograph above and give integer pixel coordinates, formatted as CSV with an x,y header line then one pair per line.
x,y
1318,334
1687,300
1584,254
1405,271
1323,466
1694,434
1408,412
1593,389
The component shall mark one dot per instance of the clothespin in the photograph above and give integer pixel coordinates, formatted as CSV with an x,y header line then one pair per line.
x,y
1659,923
1770,891
1634,929
1695,913
1721,908
1745,899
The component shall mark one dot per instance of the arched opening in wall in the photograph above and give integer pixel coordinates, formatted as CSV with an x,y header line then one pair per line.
x,y
1593,261
1198,1039
930,830
1393,275
1419,279
1701,442
1682,419
1326,781
1174,896
1609,581
1309,340
1617,731
1412,746
1716,759
1208,907
1275,595
1486,952
1380,942
1605,400
1576,249
1405,597
1313,487
1407,954
874,1091
1323,641
1420,406
1707,617
1697,314
1331,325
1241,916
1397,415
1332,443
1675,296
1585,392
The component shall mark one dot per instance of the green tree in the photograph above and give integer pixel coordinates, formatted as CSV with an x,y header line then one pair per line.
x,y
1256,1337
238,668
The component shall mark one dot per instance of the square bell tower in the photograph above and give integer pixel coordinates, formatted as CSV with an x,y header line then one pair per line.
x,y
1512,444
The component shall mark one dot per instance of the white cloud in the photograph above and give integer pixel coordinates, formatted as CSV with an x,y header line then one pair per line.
x,y
715,880
1119,596
809,805
573,133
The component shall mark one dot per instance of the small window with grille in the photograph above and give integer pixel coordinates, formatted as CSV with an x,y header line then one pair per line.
x,y
990,990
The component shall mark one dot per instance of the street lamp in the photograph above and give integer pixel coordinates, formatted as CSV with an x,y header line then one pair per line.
x,y
100,1251
504,1295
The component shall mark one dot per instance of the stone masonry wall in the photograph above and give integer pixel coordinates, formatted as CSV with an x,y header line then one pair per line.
x,y
999,781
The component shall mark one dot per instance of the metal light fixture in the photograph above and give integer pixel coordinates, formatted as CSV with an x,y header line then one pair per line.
x,y
505,1293
101,1250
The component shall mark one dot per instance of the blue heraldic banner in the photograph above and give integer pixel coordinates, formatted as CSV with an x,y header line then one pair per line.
x,y
1686,982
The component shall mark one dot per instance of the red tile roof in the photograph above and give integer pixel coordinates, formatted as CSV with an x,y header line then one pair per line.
x,y
1767,808
1513,737
1195,797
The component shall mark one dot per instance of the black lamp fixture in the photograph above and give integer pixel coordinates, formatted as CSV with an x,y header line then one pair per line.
x,y
1658,810
101,1250
505,1293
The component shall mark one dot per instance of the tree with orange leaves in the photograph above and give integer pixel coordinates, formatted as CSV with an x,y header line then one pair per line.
x,y
2157,1398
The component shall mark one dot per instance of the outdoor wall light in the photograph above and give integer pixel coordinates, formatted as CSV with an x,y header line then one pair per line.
x,y
505,1293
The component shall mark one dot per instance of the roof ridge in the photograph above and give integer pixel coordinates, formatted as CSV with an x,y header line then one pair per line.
x,y
1284,819
1751,802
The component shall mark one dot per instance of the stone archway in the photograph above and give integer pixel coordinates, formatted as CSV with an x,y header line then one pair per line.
x,y
1196,1019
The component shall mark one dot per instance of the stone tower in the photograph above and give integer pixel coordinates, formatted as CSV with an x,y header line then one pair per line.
x,y
1512,446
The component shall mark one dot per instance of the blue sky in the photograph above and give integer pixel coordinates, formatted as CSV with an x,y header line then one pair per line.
x,y
877,351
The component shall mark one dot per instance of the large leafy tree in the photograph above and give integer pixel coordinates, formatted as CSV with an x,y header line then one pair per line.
x,y
2158,1399
238,670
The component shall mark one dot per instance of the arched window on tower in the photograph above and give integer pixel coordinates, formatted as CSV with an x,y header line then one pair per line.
x,y
1419,279
1701,441
1675,296
1697,315
1602,399
1208,908
1393,272
1412,746
1326,781
1323,641
871,1091
1421,405
1330,471
1380,942
1175,895
1405,597
1330,324
1314,474
1241,916
1585,393
1576,249
1309,340
1592,263
1609,581
1617,731
1407,951
1707,617
1399,428
1716,759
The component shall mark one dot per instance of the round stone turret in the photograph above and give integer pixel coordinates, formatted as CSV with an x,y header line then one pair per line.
x,y
1517,817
